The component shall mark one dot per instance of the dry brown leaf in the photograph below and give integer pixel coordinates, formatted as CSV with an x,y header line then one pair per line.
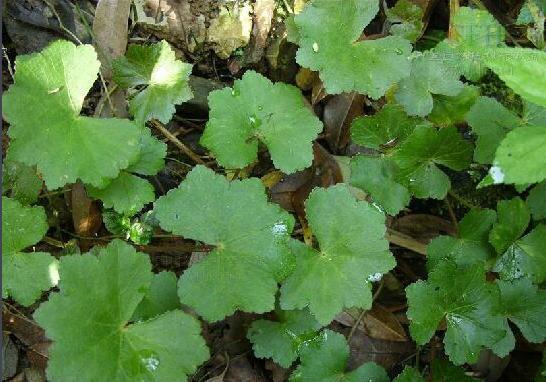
x,y
110,30
339,113
306,78
381,324
85,213
423,227
318,93
377,322
272,178
385,353
30,334
173,20
263,16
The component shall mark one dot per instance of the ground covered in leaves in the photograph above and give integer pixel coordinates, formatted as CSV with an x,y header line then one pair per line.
x,y
243,54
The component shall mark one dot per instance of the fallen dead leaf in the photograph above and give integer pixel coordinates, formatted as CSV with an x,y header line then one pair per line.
x,y
339,113
272,178
263,16
306,78
30,334
173,20
231,29
318,93
385,353
423,227
10,356
110,29
85,212
242,370
377,323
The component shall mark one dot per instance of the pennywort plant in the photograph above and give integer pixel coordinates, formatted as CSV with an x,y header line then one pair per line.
x,y
113,319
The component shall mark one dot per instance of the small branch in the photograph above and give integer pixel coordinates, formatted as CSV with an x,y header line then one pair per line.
x,y
5,54
462,200
61,25
453,9
452,215
53,242
185,149
406,241
361,315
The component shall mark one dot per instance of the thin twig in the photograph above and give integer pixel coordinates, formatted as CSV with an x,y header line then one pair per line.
x,y
61,25
453,9
53,242
451,214
10,70
106,93
185,149
405,241
462,200
361,315
110,91
53,193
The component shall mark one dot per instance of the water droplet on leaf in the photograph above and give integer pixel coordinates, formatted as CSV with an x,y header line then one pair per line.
x,y
149,359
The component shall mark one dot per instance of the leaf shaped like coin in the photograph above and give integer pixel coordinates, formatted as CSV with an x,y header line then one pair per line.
x,y
521,156
536,201
490,121
165,80
377,176
525,305
469,305
64,145
390,125
249,234
526,257
419,154
523,70
428,76
21,181
353,250
328,34
476,36
97,298
325,360
470,247
25,275
281,340
256,110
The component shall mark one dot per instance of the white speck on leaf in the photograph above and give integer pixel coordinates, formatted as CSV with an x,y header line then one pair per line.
x,y
315,47
279,229
150,363
497,174
375,277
